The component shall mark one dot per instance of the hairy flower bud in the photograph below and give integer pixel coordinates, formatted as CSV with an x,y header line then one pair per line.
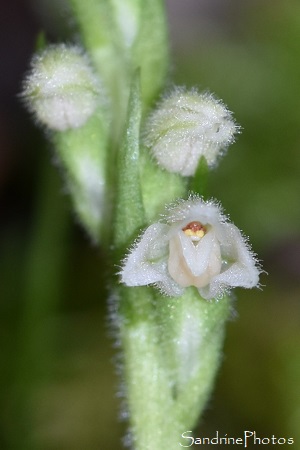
x,y
61,88
187,125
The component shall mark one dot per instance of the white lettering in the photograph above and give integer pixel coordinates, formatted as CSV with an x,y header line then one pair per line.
x,y
187,437
274,440
247,435
215,440
250,437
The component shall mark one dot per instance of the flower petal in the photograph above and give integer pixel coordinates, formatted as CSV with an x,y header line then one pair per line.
x,y
239,268
146,263
242,264
195,208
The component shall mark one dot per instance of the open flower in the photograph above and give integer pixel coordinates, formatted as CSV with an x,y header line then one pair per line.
x,y
194,246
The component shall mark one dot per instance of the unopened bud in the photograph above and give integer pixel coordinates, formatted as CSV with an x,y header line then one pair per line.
x,y
187,125
61,88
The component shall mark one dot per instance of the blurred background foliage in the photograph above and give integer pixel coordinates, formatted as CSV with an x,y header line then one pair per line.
x,y
59,389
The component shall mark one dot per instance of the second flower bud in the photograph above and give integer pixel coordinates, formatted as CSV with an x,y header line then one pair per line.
x,y
187,125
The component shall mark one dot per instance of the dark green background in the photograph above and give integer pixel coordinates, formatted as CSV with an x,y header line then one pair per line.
x,y
58,384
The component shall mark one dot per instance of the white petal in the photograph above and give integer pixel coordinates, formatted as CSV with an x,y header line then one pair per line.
x,y
177,265
183,212
243,272
240,268
146,263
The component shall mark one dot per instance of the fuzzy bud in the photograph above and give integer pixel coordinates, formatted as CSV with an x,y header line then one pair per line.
x,y
187,125
61,89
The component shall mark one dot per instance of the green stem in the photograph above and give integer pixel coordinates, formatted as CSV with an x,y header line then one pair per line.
x,y
172,349
171,346
102,38
82,154
129,216
199,341
198,183
148,390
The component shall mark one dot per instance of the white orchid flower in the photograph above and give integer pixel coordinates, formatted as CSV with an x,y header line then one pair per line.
x,y
194,246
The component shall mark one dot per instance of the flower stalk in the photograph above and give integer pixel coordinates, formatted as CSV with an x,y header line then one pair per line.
x,y
172,351
171,346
